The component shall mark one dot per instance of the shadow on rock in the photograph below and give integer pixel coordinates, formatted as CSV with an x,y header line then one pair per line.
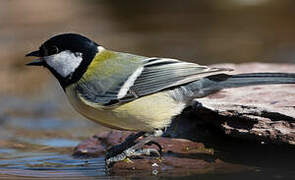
x,y
194,126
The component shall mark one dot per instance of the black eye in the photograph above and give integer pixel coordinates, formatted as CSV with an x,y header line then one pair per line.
x,y
43,51
53,50
48,51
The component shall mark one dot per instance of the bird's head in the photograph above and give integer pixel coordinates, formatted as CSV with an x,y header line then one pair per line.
x,y
67,56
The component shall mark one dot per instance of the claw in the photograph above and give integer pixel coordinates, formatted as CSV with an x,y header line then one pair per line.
x,y
157,144
130,148
147,152
131,152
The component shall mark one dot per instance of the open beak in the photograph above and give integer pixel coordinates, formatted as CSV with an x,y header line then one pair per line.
x,y
36,62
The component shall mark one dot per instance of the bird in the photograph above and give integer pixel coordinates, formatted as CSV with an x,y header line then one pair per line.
x,y
130,92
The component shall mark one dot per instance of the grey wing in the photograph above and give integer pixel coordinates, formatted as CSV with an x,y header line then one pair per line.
x,y
103,88
162,73
101,91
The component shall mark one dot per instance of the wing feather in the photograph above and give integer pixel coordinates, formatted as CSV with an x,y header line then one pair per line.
x,y
163,73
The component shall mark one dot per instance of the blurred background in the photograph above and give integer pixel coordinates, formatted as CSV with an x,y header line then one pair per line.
x,y
202,31
34,113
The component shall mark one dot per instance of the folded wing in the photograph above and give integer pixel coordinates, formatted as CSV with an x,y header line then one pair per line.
x,y
159,74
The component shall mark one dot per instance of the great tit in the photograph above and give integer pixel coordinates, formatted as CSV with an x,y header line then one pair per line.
x,y
131,92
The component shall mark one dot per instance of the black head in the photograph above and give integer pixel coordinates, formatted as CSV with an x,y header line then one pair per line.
x,y
67,56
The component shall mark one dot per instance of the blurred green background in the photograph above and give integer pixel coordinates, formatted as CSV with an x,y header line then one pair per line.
x,y
35,116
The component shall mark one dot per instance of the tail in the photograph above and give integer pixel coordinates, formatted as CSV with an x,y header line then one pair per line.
x,y
250,79
214,83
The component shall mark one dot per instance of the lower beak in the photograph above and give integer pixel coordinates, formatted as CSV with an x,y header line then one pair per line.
x,y
36,62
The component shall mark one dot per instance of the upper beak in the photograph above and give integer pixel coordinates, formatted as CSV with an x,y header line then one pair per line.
x,y
34,53
36,62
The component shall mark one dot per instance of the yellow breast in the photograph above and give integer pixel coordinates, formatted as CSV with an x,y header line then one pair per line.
x,y
144,114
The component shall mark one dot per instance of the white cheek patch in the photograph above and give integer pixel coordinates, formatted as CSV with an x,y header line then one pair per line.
x,y
64,62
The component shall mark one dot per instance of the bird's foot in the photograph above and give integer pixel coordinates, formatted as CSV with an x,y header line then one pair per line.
x,y
131,152
132,148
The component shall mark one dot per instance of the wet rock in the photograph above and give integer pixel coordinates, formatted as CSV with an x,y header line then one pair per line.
x,y
97,145
178,155
91,147
186,157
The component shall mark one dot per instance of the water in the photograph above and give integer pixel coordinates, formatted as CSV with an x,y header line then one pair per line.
x,y
50,165
39,144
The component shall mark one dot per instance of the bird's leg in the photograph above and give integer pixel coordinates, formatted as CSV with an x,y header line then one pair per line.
x,y
129,142
130,147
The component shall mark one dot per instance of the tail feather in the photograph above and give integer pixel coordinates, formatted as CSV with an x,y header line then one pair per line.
x,y
250,79
214,83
